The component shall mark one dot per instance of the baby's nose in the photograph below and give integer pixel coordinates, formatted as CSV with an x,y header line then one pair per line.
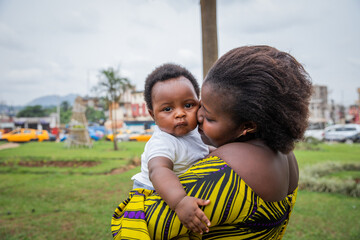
x,y
180,113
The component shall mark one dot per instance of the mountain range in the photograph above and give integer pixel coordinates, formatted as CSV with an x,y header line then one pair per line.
x,y
52,100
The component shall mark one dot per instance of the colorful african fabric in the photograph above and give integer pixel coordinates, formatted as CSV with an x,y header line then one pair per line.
x,y
235,211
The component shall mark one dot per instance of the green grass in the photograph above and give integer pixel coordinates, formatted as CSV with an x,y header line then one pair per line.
x,y
324,216
335,152
101,152
60,206
77,203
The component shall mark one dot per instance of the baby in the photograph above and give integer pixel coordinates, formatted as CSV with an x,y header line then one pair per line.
x,y
171,95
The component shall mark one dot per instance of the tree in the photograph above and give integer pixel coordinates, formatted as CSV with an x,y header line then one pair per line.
x,y
209,34
65,106
93,115
32,111
65,112
112,86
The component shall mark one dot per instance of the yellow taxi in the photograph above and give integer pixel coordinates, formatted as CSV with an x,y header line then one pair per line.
x,y
121,135
20,135
42,135
143,137
25,135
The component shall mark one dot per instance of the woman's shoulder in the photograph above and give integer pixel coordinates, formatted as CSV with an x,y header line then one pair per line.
x,y
238,153
270,174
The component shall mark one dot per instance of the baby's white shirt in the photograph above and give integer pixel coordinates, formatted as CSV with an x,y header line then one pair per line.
x,y
183,151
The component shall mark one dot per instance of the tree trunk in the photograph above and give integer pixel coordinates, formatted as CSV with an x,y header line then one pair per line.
x,y
209,34
114,126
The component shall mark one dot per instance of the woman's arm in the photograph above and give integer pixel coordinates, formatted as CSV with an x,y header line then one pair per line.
x,y
167,184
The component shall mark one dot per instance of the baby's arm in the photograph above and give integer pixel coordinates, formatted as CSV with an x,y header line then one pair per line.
x,y
167,184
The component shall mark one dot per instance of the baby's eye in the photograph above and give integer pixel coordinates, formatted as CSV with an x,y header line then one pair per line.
x,y
167,109
189,105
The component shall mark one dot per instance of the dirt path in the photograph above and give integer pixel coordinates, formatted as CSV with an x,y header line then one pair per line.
x,y
9,145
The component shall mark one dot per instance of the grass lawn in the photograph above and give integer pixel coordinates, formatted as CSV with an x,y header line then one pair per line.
x,y
51,202
102,154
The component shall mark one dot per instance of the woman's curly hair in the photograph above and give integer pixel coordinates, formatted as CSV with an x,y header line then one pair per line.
x,y
165,72
270,88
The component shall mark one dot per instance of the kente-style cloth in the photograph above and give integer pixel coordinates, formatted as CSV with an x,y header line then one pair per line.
x,y
235,211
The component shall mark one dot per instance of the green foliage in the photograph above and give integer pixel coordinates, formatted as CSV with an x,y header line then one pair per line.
x,y
49,110
32,111
308,144
93,115
111,87
65,112
313,178
65,106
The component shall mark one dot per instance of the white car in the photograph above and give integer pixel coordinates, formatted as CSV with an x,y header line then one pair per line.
x,y
315,133
315,130
342,133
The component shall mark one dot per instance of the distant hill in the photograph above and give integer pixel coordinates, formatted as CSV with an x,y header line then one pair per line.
x,y
52,100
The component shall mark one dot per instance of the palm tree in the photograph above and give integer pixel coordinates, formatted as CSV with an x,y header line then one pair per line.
x,y
209,34
112,86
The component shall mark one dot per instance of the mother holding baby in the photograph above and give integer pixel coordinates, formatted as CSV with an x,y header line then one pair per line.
x,y
254,107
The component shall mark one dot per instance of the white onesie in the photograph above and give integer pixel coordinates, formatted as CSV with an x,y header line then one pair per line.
x,y
183,151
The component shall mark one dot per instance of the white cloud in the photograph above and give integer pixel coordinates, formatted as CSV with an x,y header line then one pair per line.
x,y
59,47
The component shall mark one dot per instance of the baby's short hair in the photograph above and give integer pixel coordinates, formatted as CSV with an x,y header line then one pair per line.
x,y
165,72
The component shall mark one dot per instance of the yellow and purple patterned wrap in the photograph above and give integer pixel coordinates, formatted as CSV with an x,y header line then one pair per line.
x,y
235,211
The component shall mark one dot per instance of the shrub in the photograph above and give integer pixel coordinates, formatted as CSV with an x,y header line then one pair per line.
x,y
311,178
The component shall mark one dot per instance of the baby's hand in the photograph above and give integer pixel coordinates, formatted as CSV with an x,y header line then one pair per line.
x,y
191,215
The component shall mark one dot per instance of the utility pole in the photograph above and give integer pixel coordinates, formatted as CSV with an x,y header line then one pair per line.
x,y
209,34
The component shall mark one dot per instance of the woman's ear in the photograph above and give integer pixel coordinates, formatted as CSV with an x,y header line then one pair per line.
x,y
247,127
251,127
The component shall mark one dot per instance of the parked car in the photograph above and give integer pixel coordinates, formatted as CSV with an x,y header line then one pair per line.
x,y
20,135
315,130
42,135
52,137
343,133
121,135
94,135
142,137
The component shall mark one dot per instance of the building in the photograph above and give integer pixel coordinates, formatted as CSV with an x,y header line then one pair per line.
x,y
130,112
354,114
93,102
319,108
354,111
41,123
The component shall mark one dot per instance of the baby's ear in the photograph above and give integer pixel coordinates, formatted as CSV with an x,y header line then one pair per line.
x,y
151,113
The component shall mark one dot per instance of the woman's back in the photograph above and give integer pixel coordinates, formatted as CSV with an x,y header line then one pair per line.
x,y
271,175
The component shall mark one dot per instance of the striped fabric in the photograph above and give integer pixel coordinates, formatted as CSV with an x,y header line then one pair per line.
x,y
235,211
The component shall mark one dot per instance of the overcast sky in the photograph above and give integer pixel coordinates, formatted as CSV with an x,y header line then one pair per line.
x,y
59,46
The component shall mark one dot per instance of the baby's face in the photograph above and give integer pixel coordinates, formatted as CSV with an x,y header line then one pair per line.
x,y
175,106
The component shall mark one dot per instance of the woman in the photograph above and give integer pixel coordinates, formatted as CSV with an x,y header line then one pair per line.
x,y
254,107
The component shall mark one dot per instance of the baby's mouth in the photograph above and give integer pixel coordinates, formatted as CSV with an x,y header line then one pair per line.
x,y
181,124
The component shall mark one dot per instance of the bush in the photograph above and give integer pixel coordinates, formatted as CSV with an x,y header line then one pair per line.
x,y
311,178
